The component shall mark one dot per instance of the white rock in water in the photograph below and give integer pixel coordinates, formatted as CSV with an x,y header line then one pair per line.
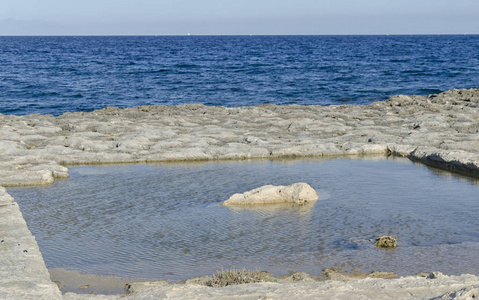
x,y
297,193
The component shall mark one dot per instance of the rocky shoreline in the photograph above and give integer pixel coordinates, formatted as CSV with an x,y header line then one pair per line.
x,y
439,130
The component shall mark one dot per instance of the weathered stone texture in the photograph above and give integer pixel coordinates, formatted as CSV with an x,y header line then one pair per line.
x,y
297,193
431,129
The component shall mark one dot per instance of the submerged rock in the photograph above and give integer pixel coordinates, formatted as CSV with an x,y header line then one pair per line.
x,y
386,242
298,193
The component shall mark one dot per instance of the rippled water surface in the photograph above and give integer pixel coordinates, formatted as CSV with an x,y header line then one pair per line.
x,y
53,75
165,221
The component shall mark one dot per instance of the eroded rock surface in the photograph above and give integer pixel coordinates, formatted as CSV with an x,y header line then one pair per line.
x,y
297,193
23,274
440,130
365,286
339,274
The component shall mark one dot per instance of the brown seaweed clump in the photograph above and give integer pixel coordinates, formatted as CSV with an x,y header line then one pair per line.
x,y
386,241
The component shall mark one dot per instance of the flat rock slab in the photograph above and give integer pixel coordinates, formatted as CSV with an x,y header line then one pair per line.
x,y
297,193
440,130
23,274
411,287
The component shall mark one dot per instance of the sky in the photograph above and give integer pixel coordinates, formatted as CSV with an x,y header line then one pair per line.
x,y
233,17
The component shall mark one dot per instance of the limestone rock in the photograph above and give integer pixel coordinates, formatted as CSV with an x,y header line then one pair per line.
x,y
136,287
300,277
439,130
340,274
298,193
435,275
464,293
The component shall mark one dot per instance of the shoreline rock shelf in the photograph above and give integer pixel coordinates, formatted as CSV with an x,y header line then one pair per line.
x,y
441,130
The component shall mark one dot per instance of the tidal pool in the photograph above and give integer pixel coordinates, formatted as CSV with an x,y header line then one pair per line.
x,y
165,221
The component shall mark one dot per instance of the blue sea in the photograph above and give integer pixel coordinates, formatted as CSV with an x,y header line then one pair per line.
x,y
53,75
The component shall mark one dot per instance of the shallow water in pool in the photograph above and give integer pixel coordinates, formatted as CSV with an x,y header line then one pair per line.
x,y
165,220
